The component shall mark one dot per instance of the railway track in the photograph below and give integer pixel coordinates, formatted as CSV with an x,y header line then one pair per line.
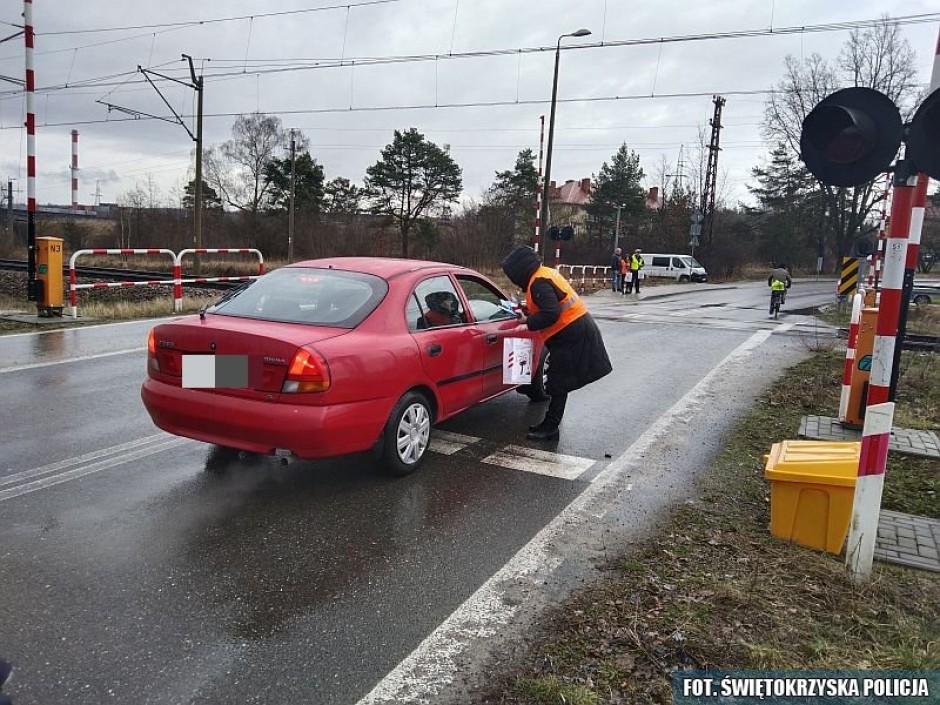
x,y
108,273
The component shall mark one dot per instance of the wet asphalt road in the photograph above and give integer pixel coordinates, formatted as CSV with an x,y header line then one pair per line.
x,y
130,575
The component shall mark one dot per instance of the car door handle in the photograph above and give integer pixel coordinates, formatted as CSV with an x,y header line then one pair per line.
x,y
435,349
491,338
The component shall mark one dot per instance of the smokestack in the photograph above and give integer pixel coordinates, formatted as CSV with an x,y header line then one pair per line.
x,y
74,169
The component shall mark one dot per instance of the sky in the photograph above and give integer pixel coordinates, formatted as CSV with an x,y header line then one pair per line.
x,y
313,64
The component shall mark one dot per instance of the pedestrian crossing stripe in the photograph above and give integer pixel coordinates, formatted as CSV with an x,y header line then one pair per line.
x,y
448,442
540,462
848,279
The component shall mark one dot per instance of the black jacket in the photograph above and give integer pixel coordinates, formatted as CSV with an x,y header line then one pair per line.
x,y
578,353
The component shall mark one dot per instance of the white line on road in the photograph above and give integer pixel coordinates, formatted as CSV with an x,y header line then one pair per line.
x,y
80,460
448,442
79,358
88,327
541,462
434,663
52,480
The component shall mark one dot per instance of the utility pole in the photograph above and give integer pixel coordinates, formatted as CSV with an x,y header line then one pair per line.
x,y
197,206
617,228
10,211
290,217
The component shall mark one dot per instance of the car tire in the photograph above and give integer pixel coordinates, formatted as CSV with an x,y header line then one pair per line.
x,y
920,299
407,435
536,390
683,279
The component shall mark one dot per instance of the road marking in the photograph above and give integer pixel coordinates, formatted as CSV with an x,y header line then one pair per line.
x,y
448,442
541,462
434,664
79,460
57,479
79,358
94,325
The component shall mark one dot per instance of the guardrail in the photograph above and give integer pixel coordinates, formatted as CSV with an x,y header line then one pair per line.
x,y
176,282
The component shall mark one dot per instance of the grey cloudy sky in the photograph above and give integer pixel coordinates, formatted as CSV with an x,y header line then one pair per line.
x,y
349,112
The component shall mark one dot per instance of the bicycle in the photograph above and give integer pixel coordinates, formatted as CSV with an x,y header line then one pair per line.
x,y
776,297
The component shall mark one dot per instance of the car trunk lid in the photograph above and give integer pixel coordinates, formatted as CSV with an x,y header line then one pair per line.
x,y
269,347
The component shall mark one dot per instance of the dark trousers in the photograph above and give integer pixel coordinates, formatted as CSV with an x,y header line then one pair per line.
x,y
634,282
556,409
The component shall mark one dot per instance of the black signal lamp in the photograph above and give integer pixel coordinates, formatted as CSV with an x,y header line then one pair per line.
x,y
923,137
851,136
567,232
554,233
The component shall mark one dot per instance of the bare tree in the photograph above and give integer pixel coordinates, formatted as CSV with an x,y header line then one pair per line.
x,y
876,57
236,168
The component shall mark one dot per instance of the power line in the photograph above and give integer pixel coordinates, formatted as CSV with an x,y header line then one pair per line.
x,y
216,20
430,106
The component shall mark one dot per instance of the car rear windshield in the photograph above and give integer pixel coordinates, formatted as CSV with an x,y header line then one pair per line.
x,y
320,297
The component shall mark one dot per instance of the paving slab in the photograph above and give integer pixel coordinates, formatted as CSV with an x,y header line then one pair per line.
x,y
910,441
891,546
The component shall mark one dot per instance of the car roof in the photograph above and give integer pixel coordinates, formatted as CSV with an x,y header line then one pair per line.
x,y
385,267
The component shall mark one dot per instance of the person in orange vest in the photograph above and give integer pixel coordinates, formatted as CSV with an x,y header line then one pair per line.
x,y
560,316
624,273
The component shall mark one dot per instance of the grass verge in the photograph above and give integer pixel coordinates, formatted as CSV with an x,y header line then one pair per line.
x,y
712,589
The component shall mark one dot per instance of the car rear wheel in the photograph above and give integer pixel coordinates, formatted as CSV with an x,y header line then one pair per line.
x,y
536,390
921,299
407,435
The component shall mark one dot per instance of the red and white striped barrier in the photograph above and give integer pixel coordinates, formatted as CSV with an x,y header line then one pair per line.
x,y
599,273
74,286
178,269
176,282
857,303
538,190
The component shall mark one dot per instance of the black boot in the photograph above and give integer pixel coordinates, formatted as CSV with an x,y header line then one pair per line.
x,y
548,429
543,433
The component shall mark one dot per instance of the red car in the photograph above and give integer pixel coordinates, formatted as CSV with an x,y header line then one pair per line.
x,y
345,355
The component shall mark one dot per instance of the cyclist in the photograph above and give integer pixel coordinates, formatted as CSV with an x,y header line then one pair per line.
x,y
780,275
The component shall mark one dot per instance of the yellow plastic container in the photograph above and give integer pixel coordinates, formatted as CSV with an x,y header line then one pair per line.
x,y
812,489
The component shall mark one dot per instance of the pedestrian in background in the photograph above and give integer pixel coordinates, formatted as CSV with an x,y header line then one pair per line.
x,y
636,264
560,316
624,274
616,276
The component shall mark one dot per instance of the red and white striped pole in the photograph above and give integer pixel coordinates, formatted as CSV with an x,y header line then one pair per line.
x,y
857,302
907,214
74,169
31,294
875,269
538,189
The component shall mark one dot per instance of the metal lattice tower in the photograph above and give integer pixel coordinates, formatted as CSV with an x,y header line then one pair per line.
x,y
711,171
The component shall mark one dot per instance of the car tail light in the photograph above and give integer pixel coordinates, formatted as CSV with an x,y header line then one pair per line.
x,y
152,362
308,372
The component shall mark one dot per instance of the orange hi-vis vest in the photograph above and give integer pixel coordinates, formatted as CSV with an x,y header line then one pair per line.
x,y
572,306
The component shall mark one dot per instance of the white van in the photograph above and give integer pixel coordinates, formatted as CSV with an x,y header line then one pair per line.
x,y
682,268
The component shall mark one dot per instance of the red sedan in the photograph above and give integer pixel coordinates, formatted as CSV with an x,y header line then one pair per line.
x,y
343,355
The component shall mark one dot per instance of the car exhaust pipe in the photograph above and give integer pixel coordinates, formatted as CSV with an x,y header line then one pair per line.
x,y
285,456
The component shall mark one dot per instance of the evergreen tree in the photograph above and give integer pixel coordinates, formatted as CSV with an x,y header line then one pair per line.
x,y
513,195
308,184
341,196
210,199
617,184
413,177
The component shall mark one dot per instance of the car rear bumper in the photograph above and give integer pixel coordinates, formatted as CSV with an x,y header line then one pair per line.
x,y
309,432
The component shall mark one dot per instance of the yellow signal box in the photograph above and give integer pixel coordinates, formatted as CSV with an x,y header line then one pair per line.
x,y
49,272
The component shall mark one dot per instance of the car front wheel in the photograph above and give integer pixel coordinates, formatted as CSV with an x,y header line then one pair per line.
x,y
921,299
407,435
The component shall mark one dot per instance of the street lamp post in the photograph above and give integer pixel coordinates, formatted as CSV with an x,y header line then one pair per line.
x,y
543,217
617,228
